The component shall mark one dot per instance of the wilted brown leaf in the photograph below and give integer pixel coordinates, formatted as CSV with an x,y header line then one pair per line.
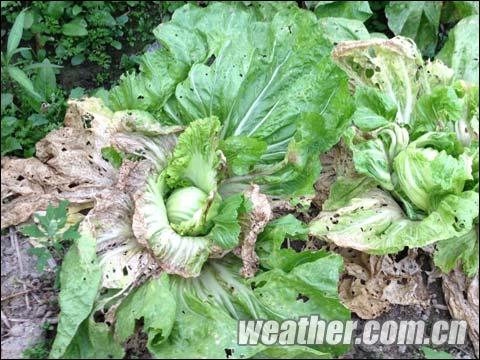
x,y
335,162
68,165
461,296
371,284
253,225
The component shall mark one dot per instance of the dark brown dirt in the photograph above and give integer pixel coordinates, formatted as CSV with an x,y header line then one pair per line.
x,y
79,76
84,75
27,320
430,314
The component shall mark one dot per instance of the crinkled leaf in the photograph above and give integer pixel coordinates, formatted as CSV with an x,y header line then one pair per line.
x,y
195,159
261,93
269,245
374,223
346,188
149,89
176,254
259,78
155,304
202,32
441,141
371,158
462,249
296,174
242,153
390,66
257,88
226,229
373,109
437,109
426,175
191,35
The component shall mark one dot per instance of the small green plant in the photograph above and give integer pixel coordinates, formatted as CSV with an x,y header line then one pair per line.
x,y
435,354
32,104
51,232
42,348
38,351
72,33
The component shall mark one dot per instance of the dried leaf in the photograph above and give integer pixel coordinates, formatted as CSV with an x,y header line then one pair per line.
x,y
335,162
68,165
110,224
461,296
133,174
256,220
371,284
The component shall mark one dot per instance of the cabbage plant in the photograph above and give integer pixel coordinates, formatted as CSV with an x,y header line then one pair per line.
x,y
414,145
226,117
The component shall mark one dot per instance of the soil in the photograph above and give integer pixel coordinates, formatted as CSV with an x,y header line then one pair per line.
x,y
84,75
79,76
29,299
437,311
